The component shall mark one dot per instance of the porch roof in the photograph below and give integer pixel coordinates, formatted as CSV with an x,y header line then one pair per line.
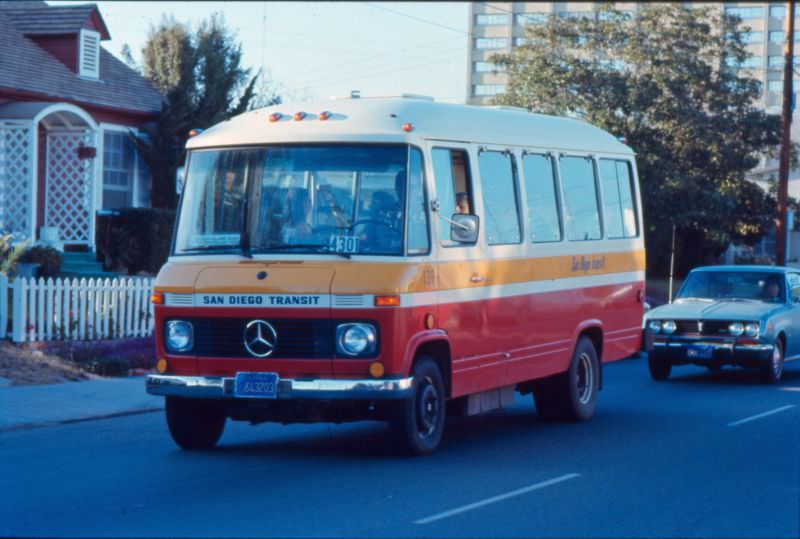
x,y
62,115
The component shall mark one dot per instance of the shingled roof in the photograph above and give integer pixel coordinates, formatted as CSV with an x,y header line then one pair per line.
x,y
24,66
39,19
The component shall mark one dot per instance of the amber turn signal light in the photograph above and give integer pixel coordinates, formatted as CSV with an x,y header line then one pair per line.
x,y
376,369
161,366
157,298
387,301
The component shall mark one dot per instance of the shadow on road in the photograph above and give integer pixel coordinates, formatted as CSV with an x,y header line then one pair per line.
x,y
731,376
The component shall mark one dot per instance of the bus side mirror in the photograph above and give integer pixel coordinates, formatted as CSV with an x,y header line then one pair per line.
x,y
464,228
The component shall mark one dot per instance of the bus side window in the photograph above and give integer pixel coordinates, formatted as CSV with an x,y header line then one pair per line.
x,y
418,240
453,187
500,209
619,211
581,212
544,220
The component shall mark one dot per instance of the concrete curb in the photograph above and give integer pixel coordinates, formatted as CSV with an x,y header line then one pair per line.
x,y
23,426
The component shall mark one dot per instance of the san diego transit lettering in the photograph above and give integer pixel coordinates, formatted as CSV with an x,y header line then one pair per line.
x,y
246,300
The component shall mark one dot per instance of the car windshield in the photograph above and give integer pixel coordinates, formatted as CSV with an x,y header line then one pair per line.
x,y
733,285
296,199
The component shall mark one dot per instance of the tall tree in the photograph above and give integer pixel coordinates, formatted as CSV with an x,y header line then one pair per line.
x,y
667,80
204,82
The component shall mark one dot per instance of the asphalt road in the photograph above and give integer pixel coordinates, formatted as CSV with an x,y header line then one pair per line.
x,y
703,455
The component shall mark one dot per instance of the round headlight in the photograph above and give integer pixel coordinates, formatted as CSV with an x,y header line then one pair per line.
x,y
179,336
669,326
655,325
736,329
751,329
356,339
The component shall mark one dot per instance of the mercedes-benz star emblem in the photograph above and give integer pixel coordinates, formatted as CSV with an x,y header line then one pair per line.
x,y
260,338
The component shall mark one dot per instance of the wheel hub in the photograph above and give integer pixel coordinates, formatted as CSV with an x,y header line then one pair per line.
x,y
585,377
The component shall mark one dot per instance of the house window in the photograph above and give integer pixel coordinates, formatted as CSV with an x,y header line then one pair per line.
x,y
89,54
126,177
491,43
484,67
530,18
488,89
752,12
778,12
777,37
492,19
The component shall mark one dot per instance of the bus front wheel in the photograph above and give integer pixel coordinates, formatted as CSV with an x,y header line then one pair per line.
x,y
418,421
571,395
194,423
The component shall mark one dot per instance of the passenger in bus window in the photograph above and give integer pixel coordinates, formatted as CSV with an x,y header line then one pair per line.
x,y
231,206
462,203
297,228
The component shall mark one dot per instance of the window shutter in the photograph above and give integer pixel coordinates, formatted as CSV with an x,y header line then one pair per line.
x,y
89,54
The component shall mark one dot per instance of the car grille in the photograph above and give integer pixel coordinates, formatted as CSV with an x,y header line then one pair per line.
x,y
709,327
297,338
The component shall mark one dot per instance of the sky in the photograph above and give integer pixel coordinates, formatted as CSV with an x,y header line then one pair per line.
x,y
315,50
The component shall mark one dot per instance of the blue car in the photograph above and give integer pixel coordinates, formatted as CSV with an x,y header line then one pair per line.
x,y
747,316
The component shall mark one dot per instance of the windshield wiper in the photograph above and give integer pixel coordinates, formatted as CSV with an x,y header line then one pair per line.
x,y
211,248
317,247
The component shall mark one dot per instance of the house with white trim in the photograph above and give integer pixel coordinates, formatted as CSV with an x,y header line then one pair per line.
x,y
66,108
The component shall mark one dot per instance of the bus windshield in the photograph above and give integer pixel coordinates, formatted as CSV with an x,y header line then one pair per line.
x,y
295,199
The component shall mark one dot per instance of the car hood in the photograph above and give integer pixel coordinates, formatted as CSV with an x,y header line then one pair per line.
x,y
718,310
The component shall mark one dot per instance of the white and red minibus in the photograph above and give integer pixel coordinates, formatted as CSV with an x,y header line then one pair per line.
x,y
396,259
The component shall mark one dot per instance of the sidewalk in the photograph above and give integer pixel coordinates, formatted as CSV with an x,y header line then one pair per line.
x,y
30,406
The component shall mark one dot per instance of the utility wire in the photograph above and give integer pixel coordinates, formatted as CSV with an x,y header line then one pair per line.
x,y
418,18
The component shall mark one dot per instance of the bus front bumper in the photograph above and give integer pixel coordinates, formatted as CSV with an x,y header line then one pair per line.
x,y
217,387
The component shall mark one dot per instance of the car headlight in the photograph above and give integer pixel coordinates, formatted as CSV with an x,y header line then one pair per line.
x,y
736,328
655,325
669,326
751,329
356,339
179,336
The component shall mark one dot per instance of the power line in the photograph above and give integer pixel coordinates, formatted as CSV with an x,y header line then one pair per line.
x,y
418,18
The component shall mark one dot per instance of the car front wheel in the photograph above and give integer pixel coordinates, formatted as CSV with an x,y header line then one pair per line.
x,y
772,370
660,367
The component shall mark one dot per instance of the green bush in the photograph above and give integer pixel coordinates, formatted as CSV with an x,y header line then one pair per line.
x,y
10,254
131,240
48,258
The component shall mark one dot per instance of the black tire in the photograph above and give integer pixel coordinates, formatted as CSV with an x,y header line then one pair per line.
x,y
418,421
572,395
660,367
771,371
195,423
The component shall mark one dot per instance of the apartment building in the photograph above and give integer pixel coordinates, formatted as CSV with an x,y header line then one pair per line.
x,y
498,27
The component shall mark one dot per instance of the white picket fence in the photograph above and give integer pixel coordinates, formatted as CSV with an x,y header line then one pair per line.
x,y
75,309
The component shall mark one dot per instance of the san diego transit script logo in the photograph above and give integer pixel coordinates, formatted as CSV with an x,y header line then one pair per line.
x,y
260,338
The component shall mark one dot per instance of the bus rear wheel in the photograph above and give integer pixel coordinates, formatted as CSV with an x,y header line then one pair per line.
x,y
195,423
418,421
572,395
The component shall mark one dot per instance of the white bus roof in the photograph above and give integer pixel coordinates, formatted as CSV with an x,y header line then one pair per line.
x,y
381,120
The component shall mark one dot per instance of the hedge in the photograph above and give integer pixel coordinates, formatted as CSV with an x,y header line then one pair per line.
x,y
131,240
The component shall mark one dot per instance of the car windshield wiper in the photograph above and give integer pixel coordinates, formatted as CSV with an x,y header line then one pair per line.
x,y
210,248
737,299
314,247
707,300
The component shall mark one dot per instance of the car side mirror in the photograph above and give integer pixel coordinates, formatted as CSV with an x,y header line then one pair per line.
x,y
464,228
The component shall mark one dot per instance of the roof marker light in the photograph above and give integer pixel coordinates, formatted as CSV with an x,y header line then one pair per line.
x,y
275,116
408,127
195,132
299,116
324,115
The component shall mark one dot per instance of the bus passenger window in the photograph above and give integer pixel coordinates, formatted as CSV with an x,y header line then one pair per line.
x,y
544,221
620,212
418,241
453,184
499,198
581,212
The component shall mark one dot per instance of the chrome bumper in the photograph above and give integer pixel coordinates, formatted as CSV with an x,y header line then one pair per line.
x,y
208,387
717,345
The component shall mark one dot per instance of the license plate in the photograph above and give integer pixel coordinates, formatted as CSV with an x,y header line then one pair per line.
x,y
699,351
262,385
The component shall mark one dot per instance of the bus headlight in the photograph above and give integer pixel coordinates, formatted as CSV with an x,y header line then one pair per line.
x,y
356,339
669,326
655,325
736,328
179,336
751,329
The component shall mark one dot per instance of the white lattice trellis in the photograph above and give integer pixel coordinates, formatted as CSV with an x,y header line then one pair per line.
x,y
15,178
68,184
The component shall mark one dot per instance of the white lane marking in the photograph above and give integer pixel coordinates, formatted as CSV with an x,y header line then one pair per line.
x,y
495,499
759,416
